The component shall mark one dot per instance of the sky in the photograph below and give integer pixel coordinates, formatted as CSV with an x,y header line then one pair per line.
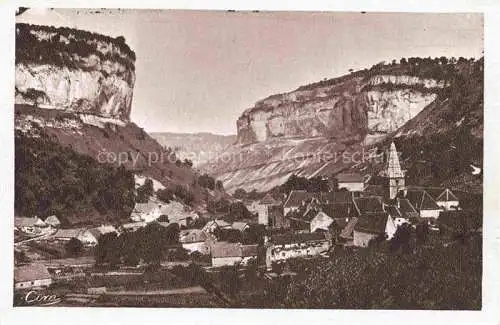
x,y
197,71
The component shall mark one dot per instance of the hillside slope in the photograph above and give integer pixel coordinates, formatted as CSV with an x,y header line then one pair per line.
x,y
328,127
197,147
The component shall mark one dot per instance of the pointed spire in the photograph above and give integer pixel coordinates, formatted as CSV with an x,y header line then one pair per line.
x,y
393,165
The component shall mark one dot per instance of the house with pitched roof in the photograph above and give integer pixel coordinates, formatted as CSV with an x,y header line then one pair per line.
x,y
68,234
321,221
371,227
90,237
290,245
262,207
30,226
295,200
423,203
368,205
146,212
277,218
353,182
240,226
52,221
210,227
195,240
225,253
347,234
133,226
31,276
447,200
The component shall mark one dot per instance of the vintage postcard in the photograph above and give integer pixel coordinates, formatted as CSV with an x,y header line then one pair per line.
x,y
248,159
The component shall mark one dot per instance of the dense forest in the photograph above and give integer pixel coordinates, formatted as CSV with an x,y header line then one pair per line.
x,y
51,179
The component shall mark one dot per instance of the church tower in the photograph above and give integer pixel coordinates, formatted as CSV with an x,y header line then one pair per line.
x,y
394,172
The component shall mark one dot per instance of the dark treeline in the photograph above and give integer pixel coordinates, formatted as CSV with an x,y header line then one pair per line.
x,y
149,244
51,179
53,50
439,68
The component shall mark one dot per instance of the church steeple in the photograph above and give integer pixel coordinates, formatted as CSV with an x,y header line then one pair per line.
x,y
394,172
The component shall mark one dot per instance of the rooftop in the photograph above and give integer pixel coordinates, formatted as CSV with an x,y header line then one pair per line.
x,y
374,224
349,178
447,196
293,238
421,200
225,249
192,236
269,200
368,205
295,198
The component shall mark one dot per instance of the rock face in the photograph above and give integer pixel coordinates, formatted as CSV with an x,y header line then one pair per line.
x,y
73,70
323,128
351,107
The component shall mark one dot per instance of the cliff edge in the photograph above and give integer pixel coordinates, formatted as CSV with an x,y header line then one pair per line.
x,y
74,70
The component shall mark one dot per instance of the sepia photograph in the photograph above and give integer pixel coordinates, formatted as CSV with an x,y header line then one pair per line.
x,y
249,159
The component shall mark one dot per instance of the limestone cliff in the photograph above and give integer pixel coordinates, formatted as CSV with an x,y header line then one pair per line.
x,y
344,123
74,70
349,107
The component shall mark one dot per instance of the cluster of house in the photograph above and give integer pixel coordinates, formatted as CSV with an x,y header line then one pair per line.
x,y
35,226
301,225
87,236
356,212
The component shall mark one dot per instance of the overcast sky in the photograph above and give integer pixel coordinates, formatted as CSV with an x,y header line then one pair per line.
x,y
198,70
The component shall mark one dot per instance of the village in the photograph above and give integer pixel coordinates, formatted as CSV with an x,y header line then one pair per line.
x,y
301,224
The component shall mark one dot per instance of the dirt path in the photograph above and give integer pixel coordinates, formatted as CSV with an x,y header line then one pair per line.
x,y
188,290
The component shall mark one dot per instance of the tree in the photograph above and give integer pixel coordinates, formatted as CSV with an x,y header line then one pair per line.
x,y
251,271
230,281
163,218
165,195
145,191
421,233
207,182
107,250
254,234
401,238
240,194
74,247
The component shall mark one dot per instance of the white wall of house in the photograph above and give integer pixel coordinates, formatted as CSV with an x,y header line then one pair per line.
x,y
262,211
352,186
430,213
400,221
87,238
276,253
320,222
290,209
390,228
361,239
33,284
246,259
201,247
448,205
222,261
151,215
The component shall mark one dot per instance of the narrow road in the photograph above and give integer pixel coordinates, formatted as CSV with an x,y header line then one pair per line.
x,y
188,290
35,238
